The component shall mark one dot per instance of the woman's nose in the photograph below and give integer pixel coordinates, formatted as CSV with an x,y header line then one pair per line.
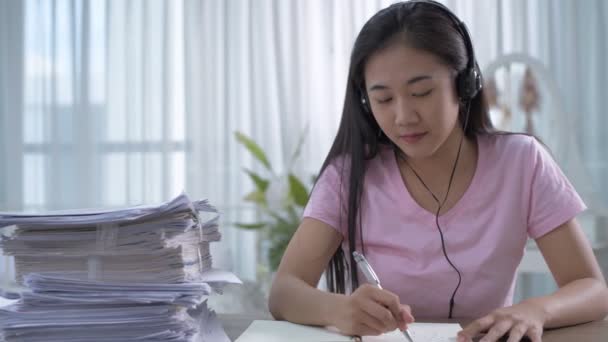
x,y
405,114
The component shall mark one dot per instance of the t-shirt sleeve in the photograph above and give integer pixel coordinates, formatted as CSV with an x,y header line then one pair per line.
x,y
553,199
328,200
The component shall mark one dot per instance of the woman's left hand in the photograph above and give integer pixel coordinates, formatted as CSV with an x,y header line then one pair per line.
x,y
524,319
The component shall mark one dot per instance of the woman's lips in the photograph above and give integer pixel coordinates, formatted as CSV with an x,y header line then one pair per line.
x,y
412,138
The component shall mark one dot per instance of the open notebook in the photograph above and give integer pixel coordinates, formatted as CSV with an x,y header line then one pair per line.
x,y
280,331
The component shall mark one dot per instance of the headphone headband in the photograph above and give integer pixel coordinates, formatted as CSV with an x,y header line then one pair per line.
x,y
459,24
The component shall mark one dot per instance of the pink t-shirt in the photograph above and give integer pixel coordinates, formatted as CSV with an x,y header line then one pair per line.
x,y
517,192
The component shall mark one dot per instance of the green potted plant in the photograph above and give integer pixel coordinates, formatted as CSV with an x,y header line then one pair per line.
x,y
280,200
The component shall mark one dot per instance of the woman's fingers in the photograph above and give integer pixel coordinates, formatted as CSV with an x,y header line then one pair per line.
x,y
364,329
406,314
389,300
475,328
380,314
517,332
383,310
497,331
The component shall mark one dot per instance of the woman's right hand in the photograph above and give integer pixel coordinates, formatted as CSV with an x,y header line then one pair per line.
x,y
371,311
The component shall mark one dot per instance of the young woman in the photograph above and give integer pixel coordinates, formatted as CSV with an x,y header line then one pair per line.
x,y
439,202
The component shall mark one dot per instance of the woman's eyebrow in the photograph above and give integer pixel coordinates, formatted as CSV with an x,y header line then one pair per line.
x,y
409,82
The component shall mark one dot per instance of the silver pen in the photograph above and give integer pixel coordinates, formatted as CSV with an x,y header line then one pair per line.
x,y
371,277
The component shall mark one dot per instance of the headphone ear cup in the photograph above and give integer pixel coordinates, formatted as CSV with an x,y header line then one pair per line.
x,y
469,83
365,104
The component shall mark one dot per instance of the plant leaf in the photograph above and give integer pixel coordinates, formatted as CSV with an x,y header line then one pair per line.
x,y
256,197
275,253
313,179
297,190
260,183
251,226
277,217
253,147
293,214
281,234
298,150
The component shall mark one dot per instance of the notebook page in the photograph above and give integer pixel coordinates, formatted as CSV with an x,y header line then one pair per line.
x,y
435,332
279,331
421,332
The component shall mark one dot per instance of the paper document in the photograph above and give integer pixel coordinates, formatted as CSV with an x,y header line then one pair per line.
x,y
168,243
6,302
279,331
134,274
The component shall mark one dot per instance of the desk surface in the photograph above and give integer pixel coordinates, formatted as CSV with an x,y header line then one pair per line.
x,y
235,325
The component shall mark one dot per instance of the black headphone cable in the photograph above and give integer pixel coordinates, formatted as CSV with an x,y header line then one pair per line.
x,y
440,205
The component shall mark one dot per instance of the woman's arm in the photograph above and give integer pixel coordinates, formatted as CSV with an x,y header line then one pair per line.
x,y
582,295
294,296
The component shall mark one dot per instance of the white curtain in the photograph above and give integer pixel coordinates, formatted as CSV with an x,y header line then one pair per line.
x,y
94,104
267,69
102,122
11,95
111,102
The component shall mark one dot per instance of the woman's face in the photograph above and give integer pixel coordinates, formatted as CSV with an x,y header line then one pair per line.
x,y
413,99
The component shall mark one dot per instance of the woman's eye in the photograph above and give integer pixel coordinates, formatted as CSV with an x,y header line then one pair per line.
x,y
422,94
387,100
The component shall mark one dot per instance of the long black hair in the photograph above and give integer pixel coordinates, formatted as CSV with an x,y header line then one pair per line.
x,y
420,26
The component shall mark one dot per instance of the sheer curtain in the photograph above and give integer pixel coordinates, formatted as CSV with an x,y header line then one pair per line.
x,y
267,69
11,89
110,102
101,122
94,104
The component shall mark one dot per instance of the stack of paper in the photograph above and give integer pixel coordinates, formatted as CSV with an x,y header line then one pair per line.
x,y
142,273
167,243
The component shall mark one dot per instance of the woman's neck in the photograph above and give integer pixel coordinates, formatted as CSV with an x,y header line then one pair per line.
x,y
428,180
438,167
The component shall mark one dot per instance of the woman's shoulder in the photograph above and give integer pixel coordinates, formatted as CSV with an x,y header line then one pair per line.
x,y
378,165
379,155
508,141
508,147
